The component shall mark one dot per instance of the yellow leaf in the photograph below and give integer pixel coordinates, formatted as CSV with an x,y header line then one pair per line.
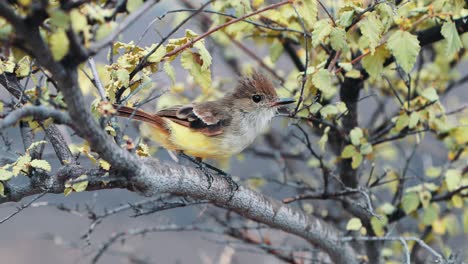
x,y
453,179
59,44
410,202
82,185
104,164
67,191
5,175
132,5
2,190
354,224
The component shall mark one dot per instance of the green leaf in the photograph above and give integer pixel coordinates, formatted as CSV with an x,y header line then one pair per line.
x,y
430,94
355,135
191,62
348,152
356,161
401,122
338,39
454,44
308,11
328,110
132,5
346,18
378,225
170,71
387,208
276,49
373,63
23,67
405,48
22,163
41,164
371,29
80,186
79,21
433,172
5,175
2,190
354,224
413,120
321,30
35,145
453,179
322,80
365,148
410,202
157,55
59,44
204,55
431,213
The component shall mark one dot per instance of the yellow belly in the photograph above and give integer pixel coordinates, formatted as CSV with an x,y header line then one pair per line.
x,y
191,142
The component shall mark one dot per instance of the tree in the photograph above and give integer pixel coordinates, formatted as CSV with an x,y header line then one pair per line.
x,y
343,56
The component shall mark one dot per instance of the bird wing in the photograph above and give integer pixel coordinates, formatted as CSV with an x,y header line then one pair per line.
x,y
209,118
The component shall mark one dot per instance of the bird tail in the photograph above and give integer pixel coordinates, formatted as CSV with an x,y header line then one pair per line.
x,y
141,115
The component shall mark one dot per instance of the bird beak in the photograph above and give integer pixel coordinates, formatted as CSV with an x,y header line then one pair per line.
x,y
283,101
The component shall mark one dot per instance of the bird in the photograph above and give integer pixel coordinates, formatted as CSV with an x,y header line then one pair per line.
x,y
216,129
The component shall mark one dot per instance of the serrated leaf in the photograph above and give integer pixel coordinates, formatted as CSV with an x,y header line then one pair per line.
x,y
22,163
35,145
41,164
454,44
354,224
410,202
348,152
322,80
5,175
338,39
308,11
356,161
453,179
189,61
371,28
59,44
405,48
374,63
169,70
355,135
321,30
204,55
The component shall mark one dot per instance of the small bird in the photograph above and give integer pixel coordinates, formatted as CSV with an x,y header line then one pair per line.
x,y
214,129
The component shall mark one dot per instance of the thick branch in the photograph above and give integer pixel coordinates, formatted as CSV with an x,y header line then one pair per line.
x,y
38,112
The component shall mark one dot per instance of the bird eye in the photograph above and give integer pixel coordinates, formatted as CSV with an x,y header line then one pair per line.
x,y
256,98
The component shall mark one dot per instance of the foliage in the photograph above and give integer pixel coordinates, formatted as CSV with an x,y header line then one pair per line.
x,y
343,53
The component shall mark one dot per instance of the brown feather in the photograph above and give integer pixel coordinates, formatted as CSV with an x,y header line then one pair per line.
x,y
141,115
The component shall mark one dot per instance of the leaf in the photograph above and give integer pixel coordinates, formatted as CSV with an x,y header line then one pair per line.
x,y
23,67
373,63
59,44
308,11
204,55
430,94
454,44
348,152
324,139
371,28
105,29
338,39
104,164
328,110
378,225
169,70
190,62
322,80
35,145
401,122
405,48
321,30
410,202
22,163
413,120
433,172
346,18
354,224
2,190
1,106
41,164
132,5
82,185
276,49
5,175
356,161
365,148
453,179
79,21
355,135
157,55
387,208
431,213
